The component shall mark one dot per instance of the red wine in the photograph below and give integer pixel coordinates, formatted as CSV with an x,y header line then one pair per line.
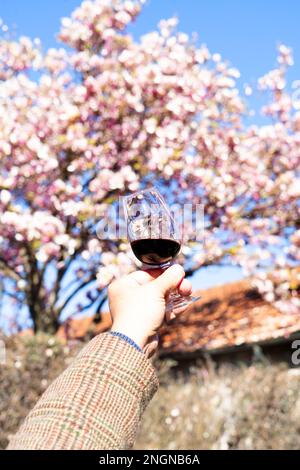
x,y
155,250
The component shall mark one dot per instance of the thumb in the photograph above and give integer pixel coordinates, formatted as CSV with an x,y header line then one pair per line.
x,y
170,279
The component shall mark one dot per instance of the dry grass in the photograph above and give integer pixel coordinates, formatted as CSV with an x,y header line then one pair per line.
x,y
31,365
200,407
233,407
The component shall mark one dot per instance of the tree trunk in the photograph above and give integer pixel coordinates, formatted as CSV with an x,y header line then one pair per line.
x,y
42,315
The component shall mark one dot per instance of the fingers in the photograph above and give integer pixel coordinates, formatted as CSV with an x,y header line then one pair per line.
x,y
143,276
154,273
140,277
185,287
170,315
169,279
151,346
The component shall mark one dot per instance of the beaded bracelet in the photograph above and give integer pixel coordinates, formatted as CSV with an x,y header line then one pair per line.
x,y
127,339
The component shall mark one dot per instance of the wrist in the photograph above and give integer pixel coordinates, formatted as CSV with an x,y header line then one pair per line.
x,y
126,339
139,338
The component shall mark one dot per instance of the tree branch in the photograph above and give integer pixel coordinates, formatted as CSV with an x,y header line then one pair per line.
x,y
12,273
78,288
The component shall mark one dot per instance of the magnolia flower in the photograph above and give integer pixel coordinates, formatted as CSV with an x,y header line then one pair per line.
x,y
5,196
109,114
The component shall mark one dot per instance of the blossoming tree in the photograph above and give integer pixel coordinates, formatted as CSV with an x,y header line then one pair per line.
x,y
105,115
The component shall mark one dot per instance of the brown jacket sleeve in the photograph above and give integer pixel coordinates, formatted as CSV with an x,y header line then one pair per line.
x,y
96,403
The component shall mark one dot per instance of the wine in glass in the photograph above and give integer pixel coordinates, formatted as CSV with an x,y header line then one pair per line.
x,y
154,236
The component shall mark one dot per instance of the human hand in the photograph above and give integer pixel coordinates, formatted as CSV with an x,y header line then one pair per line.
x,y
137,302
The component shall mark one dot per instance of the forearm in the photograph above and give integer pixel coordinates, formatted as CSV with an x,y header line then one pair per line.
x,y
96,403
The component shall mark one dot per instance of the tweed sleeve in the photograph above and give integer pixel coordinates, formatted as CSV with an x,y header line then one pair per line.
x,y
96,403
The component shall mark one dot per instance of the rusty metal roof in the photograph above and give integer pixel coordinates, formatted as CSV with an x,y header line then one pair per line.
x,y
225,317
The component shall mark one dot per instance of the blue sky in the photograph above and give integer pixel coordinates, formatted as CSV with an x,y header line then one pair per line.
x,y
245,32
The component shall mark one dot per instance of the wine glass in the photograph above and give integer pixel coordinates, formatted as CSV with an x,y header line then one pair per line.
x,y
154,237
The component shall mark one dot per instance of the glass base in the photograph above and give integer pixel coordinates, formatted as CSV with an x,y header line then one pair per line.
x,y
177,303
